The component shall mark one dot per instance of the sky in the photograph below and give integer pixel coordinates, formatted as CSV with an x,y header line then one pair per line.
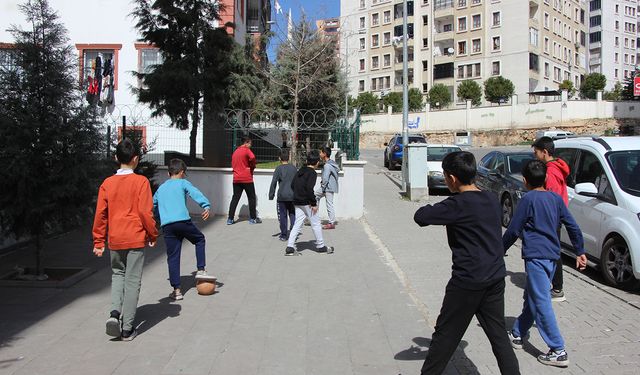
x,y
313,9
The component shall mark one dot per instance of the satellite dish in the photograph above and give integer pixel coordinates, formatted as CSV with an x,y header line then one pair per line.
x,y
450,50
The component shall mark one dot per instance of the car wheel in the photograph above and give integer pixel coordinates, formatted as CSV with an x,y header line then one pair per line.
x,y
386,161
390,165
615,264
507,210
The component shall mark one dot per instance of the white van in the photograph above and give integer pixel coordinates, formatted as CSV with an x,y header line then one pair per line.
x,y
554,134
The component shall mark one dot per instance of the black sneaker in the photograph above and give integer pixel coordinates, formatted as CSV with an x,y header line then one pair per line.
x,y
129,335
557,295
554,358
516,342
113,326
291,251
325,250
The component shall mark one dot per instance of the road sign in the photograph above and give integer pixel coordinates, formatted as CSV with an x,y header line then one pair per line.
x,y
636,86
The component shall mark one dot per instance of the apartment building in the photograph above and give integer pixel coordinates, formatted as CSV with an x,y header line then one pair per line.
x,y
613,39
536,43
330,29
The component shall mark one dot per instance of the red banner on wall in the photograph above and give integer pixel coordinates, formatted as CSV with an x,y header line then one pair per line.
x,y
636,86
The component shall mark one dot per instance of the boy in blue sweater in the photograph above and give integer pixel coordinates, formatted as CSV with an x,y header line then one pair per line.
x,y
536,221
171,202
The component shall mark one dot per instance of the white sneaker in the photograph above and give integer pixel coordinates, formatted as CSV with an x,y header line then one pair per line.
x,y
201,274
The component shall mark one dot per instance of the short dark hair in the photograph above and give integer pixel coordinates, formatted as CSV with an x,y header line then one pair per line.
x,y
461,164
126,151
284,155
246,139
176,166
545,143
326,150
313,157
535,172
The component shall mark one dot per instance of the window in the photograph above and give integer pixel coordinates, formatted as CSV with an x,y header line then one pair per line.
x,y
461,71
375,40
462,48
590,170
375,62
425,65
595,21
375,19
362,22
462,3
557,74
495,19
469,71
447,28
495,43
546,45
425,42
397,10
595,37
616,57
569,156
386,60
495,68
477,21
374,84
462,24
362,65
476,45
615,73
387,16
617,25
533,62
361,85
387,38
7,57
148,58
425,87
617,42
546,21
533,36
363,5
425,20
106,52
547,71
476,2
363,43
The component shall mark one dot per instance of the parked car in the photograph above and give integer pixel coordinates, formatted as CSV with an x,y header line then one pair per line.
x,y
501,173
393,149
554,134
604,198
435,154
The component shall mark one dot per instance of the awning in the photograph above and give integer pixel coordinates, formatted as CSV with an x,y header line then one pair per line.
x,y
545,93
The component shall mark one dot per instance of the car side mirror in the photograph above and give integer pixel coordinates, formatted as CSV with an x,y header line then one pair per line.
x,y
587,189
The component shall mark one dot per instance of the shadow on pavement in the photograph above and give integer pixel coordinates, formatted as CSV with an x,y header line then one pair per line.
x,y
518,279
526,346
151,314
419,353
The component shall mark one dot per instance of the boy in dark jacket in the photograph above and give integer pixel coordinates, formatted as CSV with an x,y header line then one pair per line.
x,y
536,221
557,173
284,175
304,200
476,287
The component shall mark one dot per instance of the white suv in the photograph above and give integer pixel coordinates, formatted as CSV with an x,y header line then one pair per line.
x,y
604,198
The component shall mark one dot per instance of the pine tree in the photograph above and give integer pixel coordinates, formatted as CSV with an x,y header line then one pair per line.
x,y
50,145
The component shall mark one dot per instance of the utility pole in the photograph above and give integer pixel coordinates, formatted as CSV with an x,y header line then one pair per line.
x,y
346,78
405,94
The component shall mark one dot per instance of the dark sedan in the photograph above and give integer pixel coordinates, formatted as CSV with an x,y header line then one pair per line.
x,y
501,173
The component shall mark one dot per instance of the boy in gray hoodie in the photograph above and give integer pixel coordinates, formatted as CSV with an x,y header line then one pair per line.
x,y
328,185
284,175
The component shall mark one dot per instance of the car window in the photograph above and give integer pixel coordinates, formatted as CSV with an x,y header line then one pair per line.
x,y
417,140
499,164
626,170
569,156
590,170
487,160
516,162
438,153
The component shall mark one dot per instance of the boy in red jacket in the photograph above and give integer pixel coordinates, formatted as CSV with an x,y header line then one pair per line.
x,y
557,172
124,207
243,162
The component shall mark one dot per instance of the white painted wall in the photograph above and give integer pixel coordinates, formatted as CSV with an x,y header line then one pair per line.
x,y
217,185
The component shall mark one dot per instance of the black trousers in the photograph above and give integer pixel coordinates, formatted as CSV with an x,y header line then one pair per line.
x,y
238,188
458,307
286,217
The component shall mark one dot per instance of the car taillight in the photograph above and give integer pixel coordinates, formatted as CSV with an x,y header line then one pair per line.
x,y
396,148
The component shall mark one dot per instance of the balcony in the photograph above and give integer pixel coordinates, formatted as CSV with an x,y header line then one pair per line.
x,y
443,8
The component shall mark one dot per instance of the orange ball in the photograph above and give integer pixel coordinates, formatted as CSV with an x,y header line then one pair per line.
x,y
206,286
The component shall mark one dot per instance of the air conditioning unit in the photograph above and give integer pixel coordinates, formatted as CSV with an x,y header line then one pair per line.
x,y
254,29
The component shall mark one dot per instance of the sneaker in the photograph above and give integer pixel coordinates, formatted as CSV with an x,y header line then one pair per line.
x,y
516,342
557,295
291,251
230,221
255,221
114,328
325,249
129,335
176,295
554,358
200,274
283,238
329,226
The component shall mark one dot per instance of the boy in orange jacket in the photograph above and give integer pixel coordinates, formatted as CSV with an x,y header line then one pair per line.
x,y
124,206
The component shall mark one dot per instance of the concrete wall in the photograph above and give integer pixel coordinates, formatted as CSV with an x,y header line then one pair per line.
x,y
217,185
522,115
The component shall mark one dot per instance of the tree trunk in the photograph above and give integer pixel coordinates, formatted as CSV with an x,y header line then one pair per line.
x,y
39,255
294,130
194,128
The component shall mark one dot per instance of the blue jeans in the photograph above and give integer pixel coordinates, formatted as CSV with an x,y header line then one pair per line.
x,y
286,215
174,233
537,304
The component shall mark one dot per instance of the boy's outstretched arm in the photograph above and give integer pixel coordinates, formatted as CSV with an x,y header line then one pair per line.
x,y
575,235
196,195
274,182
515,227
441,213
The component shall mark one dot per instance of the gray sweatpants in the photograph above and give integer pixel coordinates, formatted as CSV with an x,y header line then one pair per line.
x,y
303,212
330,207
125,283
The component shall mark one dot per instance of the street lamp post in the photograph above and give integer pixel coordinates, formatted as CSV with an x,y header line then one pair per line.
x,y
405,95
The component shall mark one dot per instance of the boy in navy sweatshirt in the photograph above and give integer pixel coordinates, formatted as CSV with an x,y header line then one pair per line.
x,y
476,287
536,221
171,202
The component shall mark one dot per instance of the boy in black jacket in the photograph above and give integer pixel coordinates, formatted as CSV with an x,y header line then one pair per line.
x,y
306,206
476,287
